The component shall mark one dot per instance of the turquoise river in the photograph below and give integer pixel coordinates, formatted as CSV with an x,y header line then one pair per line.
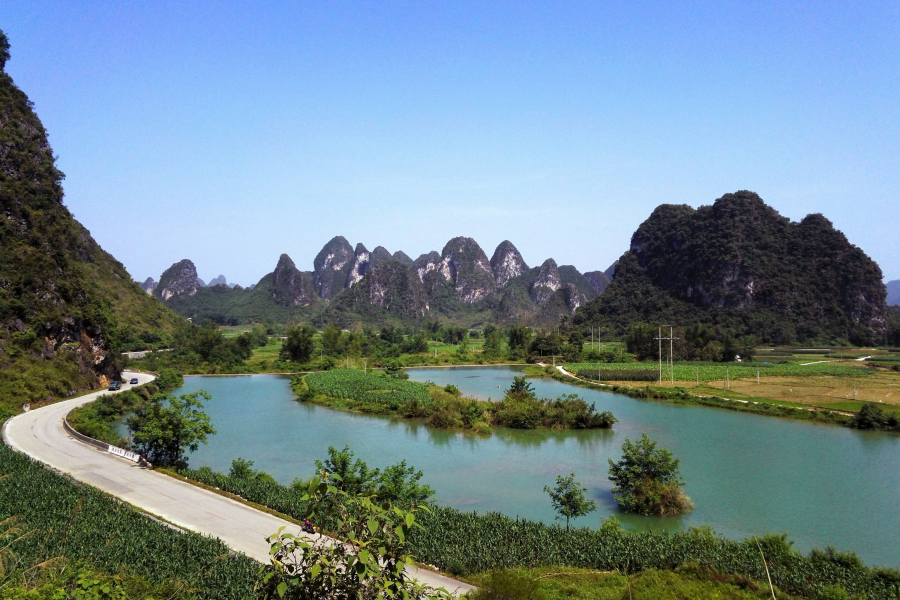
x,y
747,474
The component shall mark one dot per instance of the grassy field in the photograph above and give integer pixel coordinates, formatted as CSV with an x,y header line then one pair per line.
x,y
575,584
836,385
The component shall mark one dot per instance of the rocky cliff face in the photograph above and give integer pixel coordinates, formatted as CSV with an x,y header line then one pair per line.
x,y
598,280
291,287
332,266
740,264
546,283
359,266
179,280
389,285
463,264
507,263
149,285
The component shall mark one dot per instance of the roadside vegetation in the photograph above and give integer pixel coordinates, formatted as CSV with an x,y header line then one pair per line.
x,y
63,539
678,565
446,408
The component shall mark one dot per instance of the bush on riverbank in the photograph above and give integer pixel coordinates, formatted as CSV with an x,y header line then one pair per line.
x,y
464,543
378,394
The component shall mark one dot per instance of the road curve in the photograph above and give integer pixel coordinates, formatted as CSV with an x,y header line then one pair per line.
x,y
40,434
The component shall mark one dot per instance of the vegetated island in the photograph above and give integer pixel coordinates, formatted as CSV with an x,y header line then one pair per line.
x,y
390,394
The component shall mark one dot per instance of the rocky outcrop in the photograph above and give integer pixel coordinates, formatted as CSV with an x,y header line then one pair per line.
x,y
331,267
148,286
389,285
507,263
463,264
893,292
401,257
598,280
572,297
426,263
546,283
290,286
178,281
359,266
570,275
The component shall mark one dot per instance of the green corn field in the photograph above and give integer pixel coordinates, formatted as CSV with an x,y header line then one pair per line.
x,y
355,385
81,523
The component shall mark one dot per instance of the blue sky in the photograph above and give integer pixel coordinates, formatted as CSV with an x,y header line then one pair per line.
x,y
229,133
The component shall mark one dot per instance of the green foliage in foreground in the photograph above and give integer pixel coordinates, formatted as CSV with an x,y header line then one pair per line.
x,y
85,582
688,371
79,523
444,409
370,568
468,543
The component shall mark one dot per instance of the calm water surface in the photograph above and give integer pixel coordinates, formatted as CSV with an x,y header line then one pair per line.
x,y
747,474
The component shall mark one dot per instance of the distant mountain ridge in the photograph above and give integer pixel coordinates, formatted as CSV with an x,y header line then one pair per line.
x,y
350,285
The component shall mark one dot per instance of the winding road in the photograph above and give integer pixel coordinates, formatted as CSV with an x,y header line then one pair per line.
x,y
40,434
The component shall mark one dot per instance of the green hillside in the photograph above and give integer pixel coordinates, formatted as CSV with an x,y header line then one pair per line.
x,y
66,306
740,266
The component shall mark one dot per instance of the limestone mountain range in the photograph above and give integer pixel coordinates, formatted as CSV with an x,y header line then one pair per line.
x,y
350,284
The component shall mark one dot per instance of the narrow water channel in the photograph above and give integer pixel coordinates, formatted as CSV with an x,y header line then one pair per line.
x,y
747,474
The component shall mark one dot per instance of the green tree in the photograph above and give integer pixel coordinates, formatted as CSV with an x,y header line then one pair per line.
x,y
521,388
398,484
331,340
647,479
167,426
640,341
518,339
299,344
492,342
568,498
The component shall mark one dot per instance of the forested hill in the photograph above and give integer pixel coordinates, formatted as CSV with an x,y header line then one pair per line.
x,y
744,268
65,304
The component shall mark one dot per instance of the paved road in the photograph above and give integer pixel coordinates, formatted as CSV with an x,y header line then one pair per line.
x,y
40,434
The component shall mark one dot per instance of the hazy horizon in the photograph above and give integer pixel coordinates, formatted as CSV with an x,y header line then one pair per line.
x,y
230,134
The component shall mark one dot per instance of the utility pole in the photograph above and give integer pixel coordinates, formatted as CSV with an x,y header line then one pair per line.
x,y
670,360
671,355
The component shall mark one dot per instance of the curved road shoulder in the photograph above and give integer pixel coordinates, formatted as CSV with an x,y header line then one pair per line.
x,y
40,434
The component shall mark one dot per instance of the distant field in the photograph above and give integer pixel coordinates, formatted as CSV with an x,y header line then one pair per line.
x,y
697,372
